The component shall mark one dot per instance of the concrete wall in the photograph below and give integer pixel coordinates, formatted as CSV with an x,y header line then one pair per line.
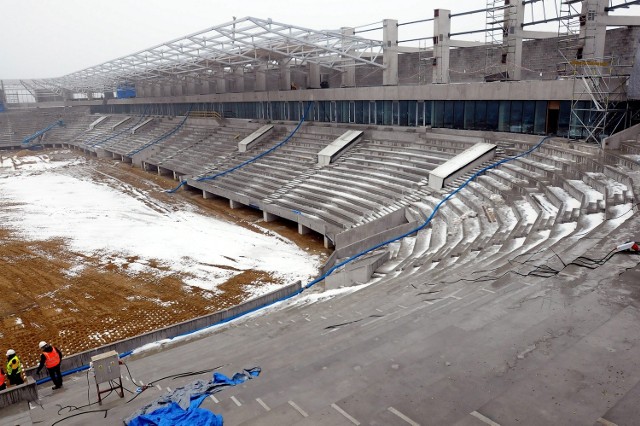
x,y
25,392
82,359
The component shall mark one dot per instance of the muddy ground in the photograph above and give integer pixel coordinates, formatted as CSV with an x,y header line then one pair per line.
x,y
104,303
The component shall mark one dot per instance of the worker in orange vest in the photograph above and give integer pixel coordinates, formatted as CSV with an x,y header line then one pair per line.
x,y
3,380
50,358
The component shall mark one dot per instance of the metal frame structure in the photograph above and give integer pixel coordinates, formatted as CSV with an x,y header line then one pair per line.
x,y
212,53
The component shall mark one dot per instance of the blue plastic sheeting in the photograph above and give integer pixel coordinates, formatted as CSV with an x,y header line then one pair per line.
x,y
174,415
168,410
238,378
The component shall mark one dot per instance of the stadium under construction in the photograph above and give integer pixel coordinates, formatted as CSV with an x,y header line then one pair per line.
x,y
478,198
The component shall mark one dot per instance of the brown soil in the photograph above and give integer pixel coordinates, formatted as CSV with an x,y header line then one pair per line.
x,y
101,303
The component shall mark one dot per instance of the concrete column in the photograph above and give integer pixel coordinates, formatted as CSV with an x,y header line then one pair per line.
x,y
261,78
441,44
167,90
390,52
303,230
512,40
238,74
157,90
221,83
313,80
269,217
191,87
328,243
285,75
205,87
208,195
235,204
349,72
178,88
594,31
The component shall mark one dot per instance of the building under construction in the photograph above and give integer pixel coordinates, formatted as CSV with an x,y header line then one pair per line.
x,y
485,190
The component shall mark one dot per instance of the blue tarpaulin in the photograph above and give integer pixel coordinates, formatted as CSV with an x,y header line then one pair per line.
x,y
167,410
174,415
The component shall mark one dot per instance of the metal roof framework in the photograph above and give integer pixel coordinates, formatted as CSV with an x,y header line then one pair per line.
x,y
212,53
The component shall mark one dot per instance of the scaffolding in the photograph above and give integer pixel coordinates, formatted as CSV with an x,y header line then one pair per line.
x,y
500,47
598,105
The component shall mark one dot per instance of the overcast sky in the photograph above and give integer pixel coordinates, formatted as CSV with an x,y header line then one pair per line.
x,y
46,38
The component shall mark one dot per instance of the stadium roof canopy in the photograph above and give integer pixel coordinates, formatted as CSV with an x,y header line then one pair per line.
x,y
248,42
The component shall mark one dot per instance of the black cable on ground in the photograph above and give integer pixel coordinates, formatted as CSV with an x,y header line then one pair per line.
x,y
79,414
546,271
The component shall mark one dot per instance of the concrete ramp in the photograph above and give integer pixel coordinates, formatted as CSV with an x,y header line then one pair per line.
x,y
255,137
120,123
97,121
333,151
141,125
458,165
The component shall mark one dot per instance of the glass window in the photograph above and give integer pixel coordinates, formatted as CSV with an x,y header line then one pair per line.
x,y
388,113
448,114
458,114
515,121
503,116
420,114
493,112
394,112
563,118
540,123
528,116
469,114
481,115
403,113
438,114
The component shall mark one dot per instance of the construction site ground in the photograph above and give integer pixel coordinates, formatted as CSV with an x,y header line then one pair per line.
x,y
103,303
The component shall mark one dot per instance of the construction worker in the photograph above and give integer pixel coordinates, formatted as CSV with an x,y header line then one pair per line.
x,y
3,380
14,368
50,358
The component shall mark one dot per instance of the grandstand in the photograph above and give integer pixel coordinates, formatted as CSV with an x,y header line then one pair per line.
x,y
498,296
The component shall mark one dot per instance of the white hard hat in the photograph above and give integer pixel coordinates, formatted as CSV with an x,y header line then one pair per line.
x,y
42,344
11,352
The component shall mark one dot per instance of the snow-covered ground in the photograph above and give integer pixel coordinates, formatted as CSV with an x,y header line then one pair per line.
x,y
42,199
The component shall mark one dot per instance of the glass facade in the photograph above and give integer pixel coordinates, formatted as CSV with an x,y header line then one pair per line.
x,y
515,116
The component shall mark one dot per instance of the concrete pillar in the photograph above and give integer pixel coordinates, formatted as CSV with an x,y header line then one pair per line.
x,y
167,90
303,230
313,80
349,72
221,83
441,44
157,90
594,31
390,52
268,217
512,40
191,87
235,204
178,89
285,75
328,243
238,75
208,195
261,78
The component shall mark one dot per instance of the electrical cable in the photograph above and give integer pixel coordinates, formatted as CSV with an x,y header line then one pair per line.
x,y
79,414
251,160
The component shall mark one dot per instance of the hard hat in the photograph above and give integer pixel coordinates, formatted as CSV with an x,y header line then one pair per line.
x,y
42,344
11,352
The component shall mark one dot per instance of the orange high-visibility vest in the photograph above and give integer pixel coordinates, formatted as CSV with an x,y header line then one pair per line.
x,y
51,359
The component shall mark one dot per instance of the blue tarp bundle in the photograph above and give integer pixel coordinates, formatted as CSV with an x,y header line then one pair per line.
x,y
167,410
174,415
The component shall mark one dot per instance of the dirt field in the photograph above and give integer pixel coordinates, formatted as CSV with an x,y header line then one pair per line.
x,y
102,303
